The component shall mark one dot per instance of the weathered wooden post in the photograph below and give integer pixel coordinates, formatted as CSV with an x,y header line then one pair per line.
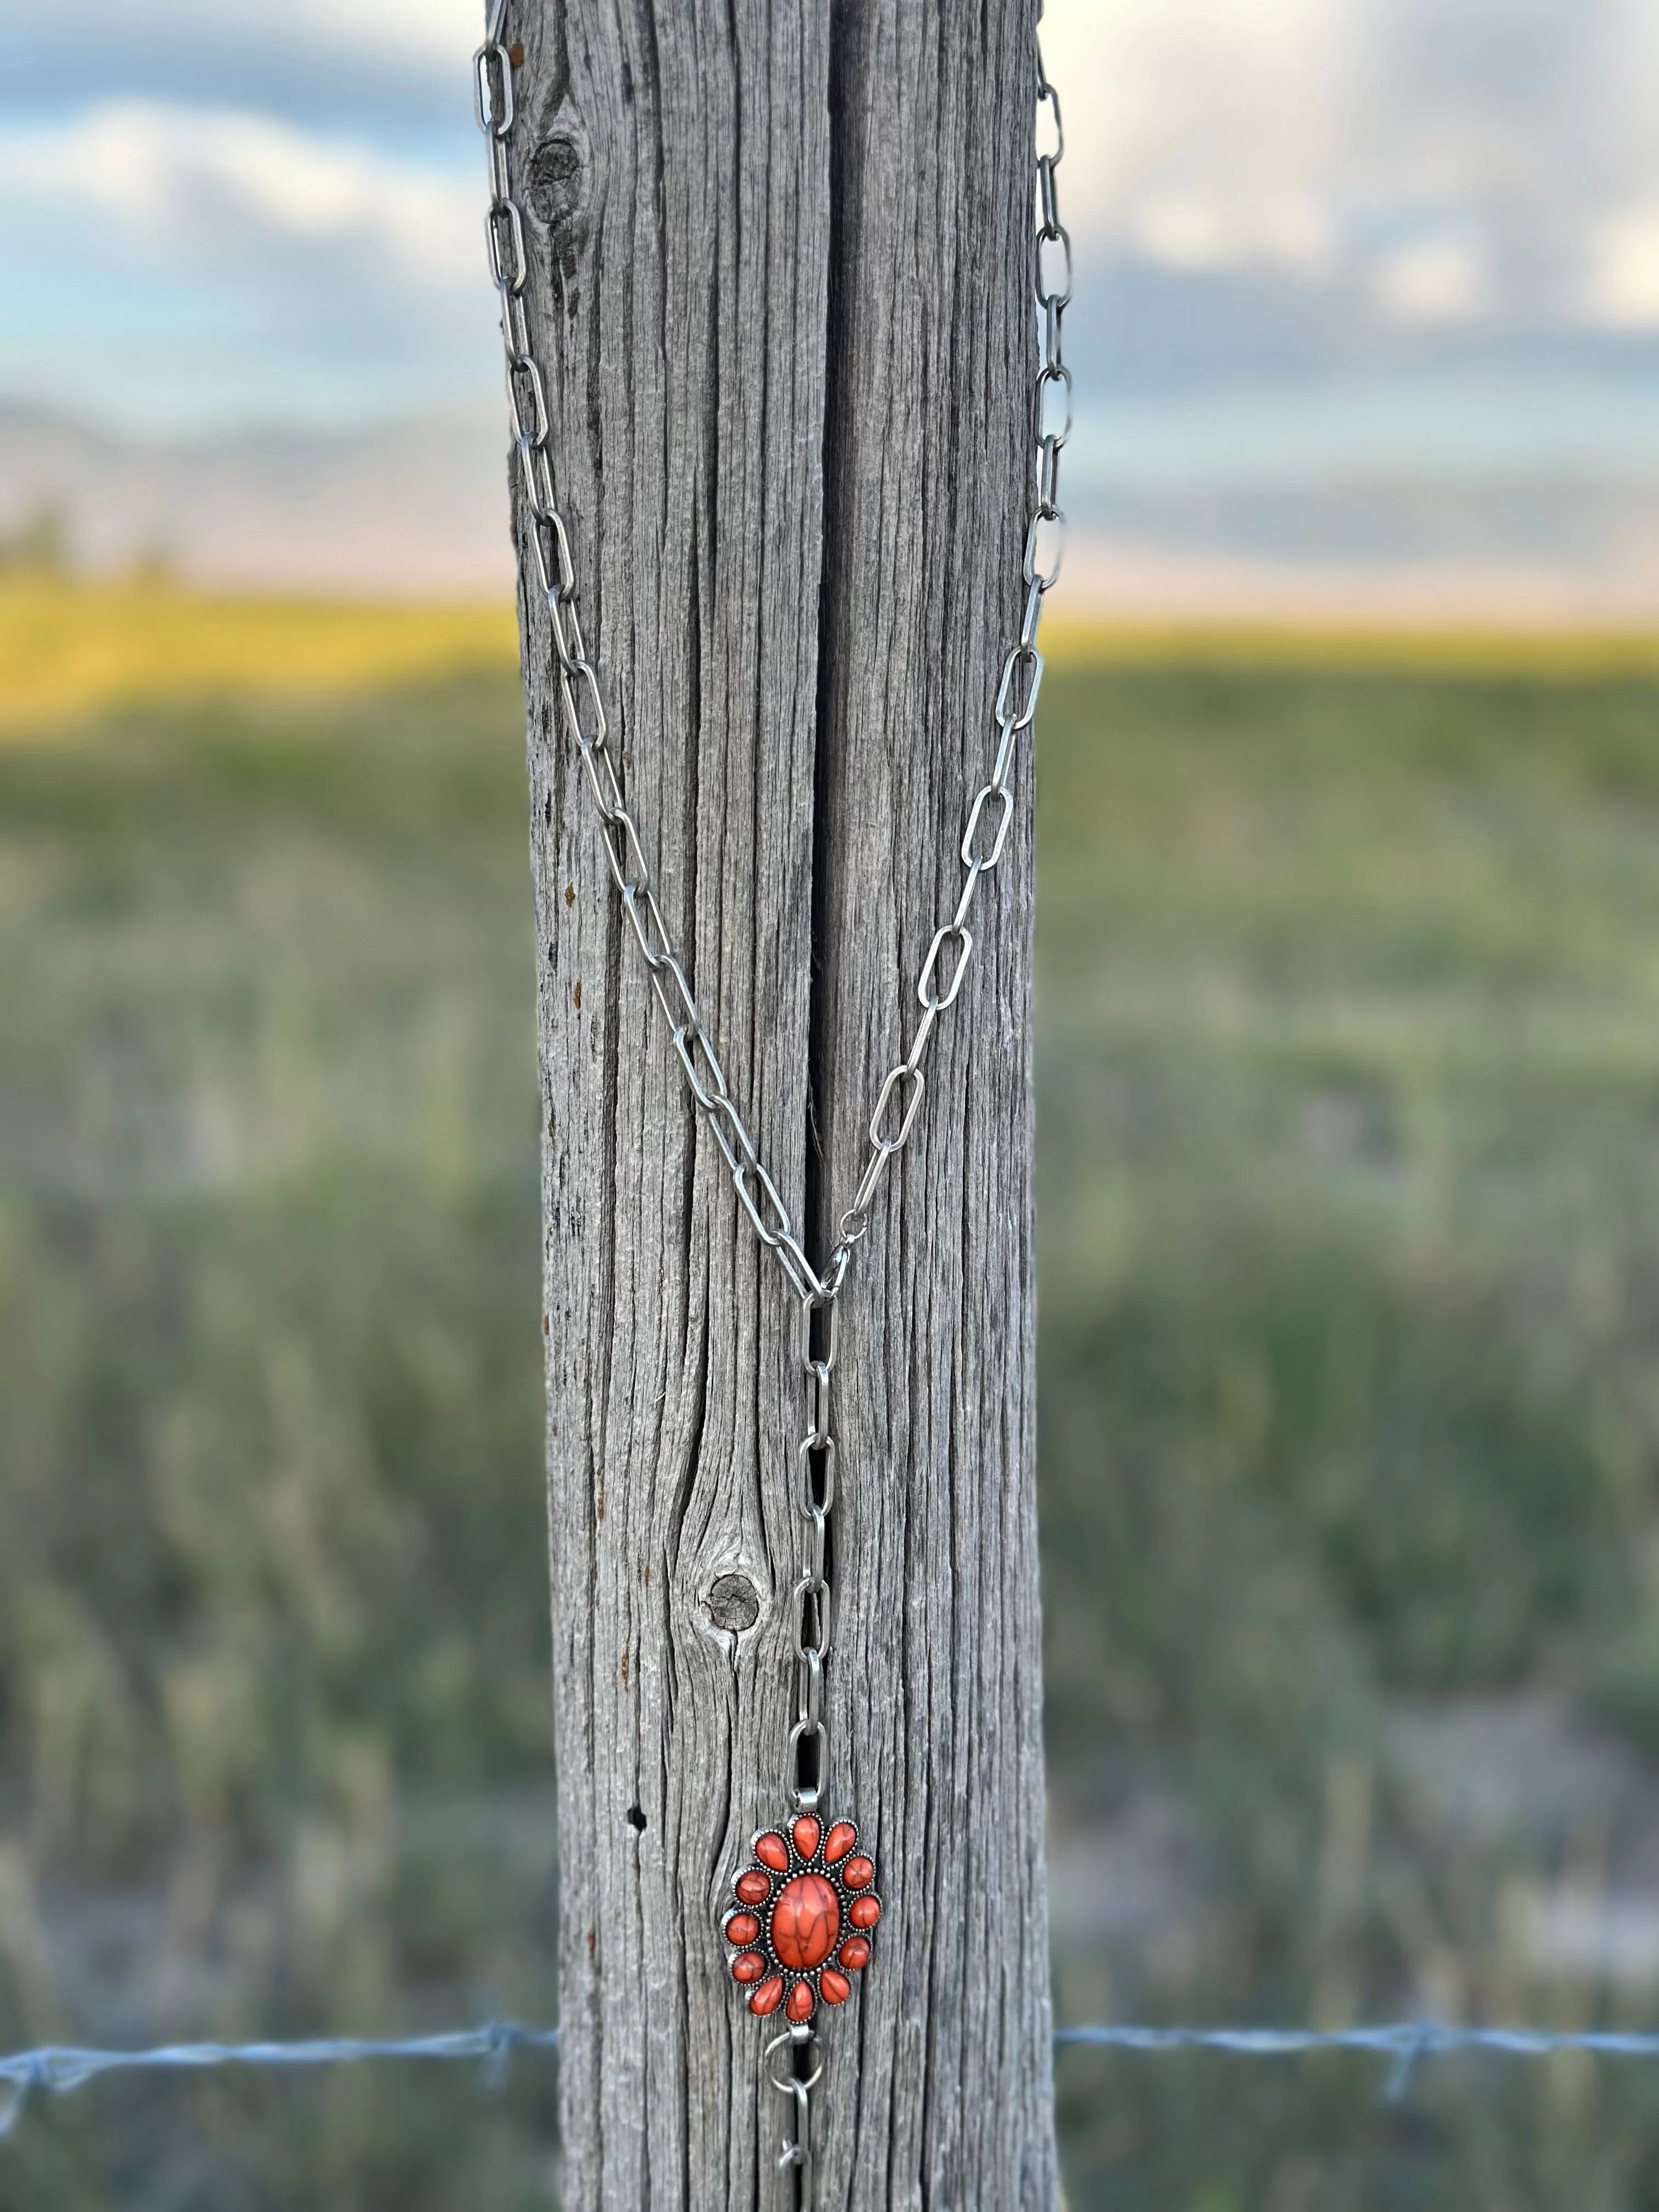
x,y
780,259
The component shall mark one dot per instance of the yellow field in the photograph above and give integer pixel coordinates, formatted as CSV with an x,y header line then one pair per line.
x,y
1428,648
68,650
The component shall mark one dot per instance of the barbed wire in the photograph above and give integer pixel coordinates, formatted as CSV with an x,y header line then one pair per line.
x,y
1404,2042
60,2068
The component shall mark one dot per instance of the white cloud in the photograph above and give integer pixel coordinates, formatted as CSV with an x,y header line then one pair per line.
x,y
1622,289
1449,160
1201,132
1434,281
180,180
231,267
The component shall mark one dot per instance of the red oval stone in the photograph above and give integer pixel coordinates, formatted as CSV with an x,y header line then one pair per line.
x,y
842,1836
855,1954
767,1997
806,1833
752,1888
859,1873
771,1851
742,1928
834,1988
801,2002
805,1922
748,1966
864,1912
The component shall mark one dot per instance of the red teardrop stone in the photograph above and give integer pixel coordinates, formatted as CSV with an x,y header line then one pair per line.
x,y
753,1887
859,1873
805,1922
771,1851
766,1998
748,1966
801,2002
864,1912
842,1836
855,1954
806,1833
742,1928
834,1988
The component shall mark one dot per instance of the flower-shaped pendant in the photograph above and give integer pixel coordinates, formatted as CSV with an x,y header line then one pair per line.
x,y
802,1923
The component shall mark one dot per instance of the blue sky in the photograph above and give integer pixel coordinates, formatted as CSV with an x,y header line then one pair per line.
x,y
1318,240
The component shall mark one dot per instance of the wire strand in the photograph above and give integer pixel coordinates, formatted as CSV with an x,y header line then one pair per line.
x,y
63,2068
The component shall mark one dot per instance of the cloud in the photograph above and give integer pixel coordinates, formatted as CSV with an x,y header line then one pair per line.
x,y
232,266
1199,132
1622,287
1435,164
1442,280
176,179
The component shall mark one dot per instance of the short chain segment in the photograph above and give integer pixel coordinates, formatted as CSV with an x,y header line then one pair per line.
x,y
943,969
815,1494
802,2071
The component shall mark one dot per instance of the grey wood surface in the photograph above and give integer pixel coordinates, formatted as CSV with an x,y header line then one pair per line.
x,y
781,282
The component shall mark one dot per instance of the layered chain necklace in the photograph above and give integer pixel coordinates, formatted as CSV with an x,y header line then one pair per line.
x,y
804,1907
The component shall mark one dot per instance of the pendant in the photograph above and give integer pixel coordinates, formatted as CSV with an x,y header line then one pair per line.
x,y
802,1923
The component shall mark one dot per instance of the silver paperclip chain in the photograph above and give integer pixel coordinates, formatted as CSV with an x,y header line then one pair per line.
x,y
991,812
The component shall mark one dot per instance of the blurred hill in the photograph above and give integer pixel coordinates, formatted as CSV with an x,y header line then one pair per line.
x,y
416,507
1556,549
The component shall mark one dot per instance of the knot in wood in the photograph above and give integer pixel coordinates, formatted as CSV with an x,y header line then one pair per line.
x,y
556,186
733,1603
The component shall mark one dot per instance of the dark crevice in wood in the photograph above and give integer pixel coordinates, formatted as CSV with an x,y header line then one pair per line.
x,y
660,162
637,1890
609,1175
817,1201
687,1474
557,65
722,1810
706,520
682,2007
762,997
689,845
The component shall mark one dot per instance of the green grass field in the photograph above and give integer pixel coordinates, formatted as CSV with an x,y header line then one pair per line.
x,y
1349,1170
1349,1199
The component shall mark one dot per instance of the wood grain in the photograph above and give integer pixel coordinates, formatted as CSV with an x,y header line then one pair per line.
x,y
781,282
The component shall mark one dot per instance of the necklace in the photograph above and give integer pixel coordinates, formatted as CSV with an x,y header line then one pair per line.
x,y
805,1906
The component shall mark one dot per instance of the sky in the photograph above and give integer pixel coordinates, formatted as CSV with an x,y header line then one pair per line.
x,y
1444,213
1357,280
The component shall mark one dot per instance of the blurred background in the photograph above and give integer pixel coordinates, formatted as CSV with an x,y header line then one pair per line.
x,y
1348,1076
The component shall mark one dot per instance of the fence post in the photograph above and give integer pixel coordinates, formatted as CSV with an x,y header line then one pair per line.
x,y
780,278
